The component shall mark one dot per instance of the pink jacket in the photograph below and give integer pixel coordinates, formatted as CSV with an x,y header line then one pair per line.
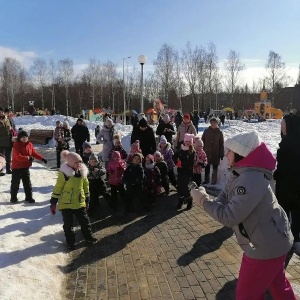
x,y
200,161
116,170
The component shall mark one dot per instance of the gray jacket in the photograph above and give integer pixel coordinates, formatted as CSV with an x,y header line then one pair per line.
x,y
249,206
106,137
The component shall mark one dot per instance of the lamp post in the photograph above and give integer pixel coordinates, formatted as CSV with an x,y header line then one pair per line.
x,y
124,93
142,60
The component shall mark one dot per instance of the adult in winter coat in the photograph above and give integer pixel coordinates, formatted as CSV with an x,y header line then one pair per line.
x,y
214,148
80,134
166,128
6,134
185,127
144,133
249,206
287,177
106,137
178,119
196,120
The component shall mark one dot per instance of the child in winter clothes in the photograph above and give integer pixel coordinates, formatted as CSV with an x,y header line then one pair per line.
x,y
185,159
97,186
133,179
62,135
22,158
151,182
167,152
87,152
71,192
135,148
163,169
118,147
248,204
116,168
200,160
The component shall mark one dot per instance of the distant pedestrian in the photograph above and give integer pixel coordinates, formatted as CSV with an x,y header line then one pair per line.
x,y
222,119
248,204
97,131
80,134
166,128
200,161
178,119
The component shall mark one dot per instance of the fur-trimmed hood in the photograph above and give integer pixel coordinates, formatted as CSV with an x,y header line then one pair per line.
x,y
68,171
159,148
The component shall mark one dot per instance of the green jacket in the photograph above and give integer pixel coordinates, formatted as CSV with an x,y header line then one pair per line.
x,y
71,191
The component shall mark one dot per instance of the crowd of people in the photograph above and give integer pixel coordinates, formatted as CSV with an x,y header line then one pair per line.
x,y
266,223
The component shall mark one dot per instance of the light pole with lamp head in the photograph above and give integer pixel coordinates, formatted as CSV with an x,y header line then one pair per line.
x,y
142,60
124,96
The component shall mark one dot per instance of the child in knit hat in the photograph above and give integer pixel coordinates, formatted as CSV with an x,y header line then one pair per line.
x,y
72,194
185,159
87,152
116,169
151,182
133,179
200,160
163,169
248,205
134,149
23,154
97,186
118,147
167,152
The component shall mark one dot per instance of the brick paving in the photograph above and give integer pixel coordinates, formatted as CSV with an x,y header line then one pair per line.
x,y
164,254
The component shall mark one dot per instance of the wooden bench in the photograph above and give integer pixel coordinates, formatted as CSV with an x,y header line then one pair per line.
x,y
40,136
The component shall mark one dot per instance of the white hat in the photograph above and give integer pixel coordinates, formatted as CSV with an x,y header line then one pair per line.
x,y
198,142
141,116
163,139
243,143
166,118
188,137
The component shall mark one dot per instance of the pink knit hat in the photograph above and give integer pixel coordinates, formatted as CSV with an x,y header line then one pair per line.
x,y
135,146
198,142
188,137
115,155
70,157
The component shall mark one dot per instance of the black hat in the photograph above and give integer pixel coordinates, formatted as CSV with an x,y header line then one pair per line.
x,y
6,110
143,123
21,134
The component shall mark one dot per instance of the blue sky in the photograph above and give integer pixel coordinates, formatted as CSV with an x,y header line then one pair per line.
x,y
113,29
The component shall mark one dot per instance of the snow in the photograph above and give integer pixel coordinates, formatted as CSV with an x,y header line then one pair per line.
x,y
32,249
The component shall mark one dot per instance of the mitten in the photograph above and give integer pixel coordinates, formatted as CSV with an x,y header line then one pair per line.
x,y
87,202
44,160
52,209
30,158
199,195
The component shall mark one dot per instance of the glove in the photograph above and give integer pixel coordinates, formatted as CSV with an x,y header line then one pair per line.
x,y
44,160
199,195
221,157
52,209
30,158
87,202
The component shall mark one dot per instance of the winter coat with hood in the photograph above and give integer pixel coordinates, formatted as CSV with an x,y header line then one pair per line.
x,y
80,133
21,153
167,154
71,188
116,168
106,137
213,145
168,134
249,206
200,161
5,134
182,130
152,178
134,175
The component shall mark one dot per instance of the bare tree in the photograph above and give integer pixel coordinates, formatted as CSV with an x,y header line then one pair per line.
x,y
202,75
10,70
233,68
66,71
180,86
165,65
52,80
190,69
111,75
277,76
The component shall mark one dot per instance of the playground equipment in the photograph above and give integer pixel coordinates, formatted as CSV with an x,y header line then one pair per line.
x,y
264,108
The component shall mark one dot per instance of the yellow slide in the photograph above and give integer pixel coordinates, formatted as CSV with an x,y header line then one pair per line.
x,y
277,113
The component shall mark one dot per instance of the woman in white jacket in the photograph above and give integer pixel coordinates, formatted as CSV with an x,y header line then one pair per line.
x,y
249,206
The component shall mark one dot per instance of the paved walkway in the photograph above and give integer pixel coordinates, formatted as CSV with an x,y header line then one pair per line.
x,y
163,255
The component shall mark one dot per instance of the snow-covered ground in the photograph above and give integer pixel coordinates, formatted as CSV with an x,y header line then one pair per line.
x,y
32,249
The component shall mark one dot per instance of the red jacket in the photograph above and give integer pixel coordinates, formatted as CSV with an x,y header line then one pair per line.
x,y
20,154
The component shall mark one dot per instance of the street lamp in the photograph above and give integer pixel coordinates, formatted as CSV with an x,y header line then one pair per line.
x,y
142,60
124,100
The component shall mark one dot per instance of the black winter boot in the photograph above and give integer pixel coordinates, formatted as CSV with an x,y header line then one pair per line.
x,y
189,203
180,202
206,180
